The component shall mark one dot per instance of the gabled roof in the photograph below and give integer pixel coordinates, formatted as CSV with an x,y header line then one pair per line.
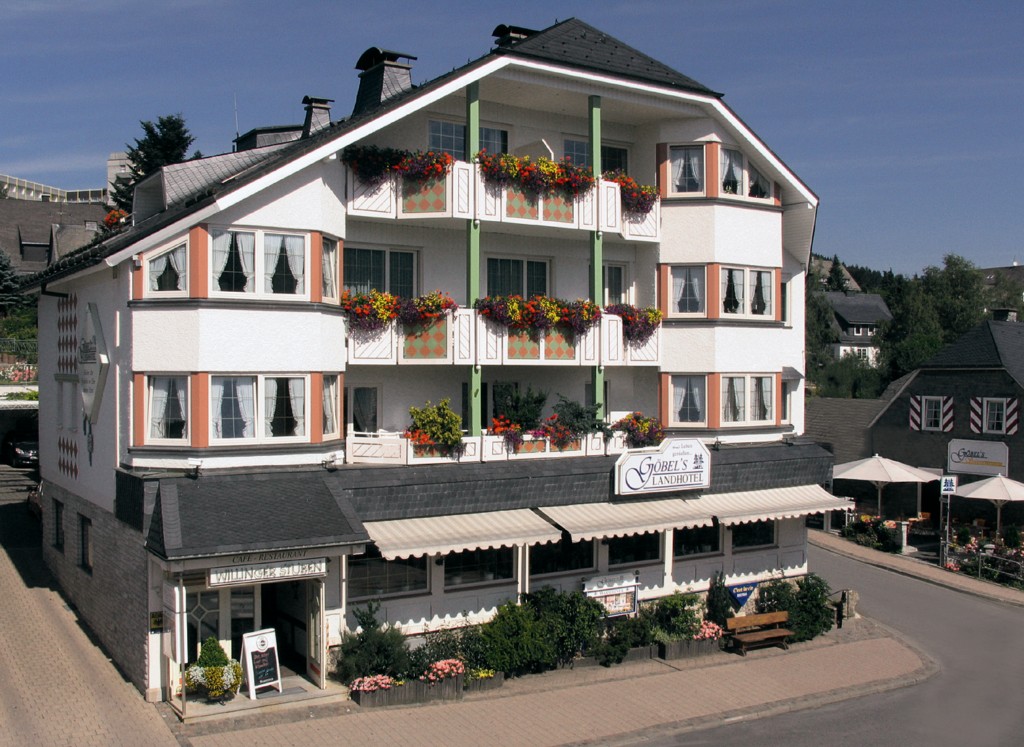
x,y
858,308
34,222
580,45
989,345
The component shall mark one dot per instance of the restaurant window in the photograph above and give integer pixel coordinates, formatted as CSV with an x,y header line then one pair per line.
x,y
636,548
371,575
562,556
478,566
697,540
753,534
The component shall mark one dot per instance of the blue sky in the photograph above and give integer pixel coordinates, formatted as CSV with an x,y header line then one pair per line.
x,y
904,117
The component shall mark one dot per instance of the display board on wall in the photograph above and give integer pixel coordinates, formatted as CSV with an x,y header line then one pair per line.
x,y
260,665
618,594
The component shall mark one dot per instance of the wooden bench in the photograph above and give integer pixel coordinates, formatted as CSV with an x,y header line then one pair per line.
x,y
766,629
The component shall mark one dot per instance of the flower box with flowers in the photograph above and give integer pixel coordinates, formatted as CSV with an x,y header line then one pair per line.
x,y
534,190
483,680
370,318
426,188
539,328
707,640
425,328
442,680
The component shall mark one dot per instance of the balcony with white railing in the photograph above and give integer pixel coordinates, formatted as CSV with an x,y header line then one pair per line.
x,y
466,337
394,448
464,193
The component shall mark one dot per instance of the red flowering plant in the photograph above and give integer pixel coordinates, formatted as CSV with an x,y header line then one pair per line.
x,y
511,433
373,683
114,218
442,670
636,198
638,325
640,431
569,422
542,177
422,310
369,312
421,167
372,164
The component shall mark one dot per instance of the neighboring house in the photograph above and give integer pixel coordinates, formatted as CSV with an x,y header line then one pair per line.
x,y
241,460
34,234
959,414
823,267
857,317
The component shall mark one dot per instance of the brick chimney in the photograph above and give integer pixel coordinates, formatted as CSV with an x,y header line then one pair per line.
x,y
383,76
318,115
506,35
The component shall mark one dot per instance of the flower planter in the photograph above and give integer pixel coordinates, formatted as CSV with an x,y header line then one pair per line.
x,y
486,684
426,342
687,649
559,346
425,198
411,693
521,206
574,445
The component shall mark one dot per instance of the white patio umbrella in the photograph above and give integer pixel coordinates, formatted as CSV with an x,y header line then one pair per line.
x,y
999,490
881,472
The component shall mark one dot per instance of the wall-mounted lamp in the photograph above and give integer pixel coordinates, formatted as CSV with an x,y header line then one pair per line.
x,y
716,444
330,461
193,467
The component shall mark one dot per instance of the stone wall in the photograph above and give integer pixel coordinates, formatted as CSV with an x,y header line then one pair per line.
x,y
112,599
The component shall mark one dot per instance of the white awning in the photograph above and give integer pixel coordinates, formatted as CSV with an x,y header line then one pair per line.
x,y
585,521
773,503
405,538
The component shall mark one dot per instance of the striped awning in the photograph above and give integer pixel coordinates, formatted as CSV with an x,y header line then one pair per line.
x,y
773,503
584,521
432,535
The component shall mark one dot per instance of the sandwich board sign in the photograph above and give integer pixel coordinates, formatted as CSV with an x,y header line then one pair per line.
x,y
260,665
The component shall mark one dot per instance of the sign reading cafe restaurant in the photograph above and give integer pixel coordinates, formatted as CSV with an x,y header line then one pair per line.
x,y
678,464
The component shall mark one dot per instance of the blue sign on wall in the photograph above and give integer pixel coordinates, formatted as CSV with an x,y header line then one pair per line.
x,y
741,592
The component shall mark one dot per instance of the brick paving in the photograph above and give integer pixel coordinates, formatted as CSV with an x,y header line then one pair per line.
x,y
57,687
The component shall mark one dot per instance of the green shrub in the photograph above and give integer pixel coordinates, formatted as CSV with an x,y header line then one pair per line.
x,y
813,612
719,605
375,649
677,617
1011,537
963,536
622,634
579,419
522,408
211,654
439,423
776,595
465,644
571,621
516,642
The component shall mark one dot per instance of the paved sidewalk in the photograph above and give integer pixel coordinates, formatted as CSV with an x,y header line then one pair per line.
x,y
907,565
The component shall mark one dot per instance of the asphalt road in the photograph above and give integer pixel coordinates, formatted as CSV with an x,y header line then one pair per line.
x,y
976,699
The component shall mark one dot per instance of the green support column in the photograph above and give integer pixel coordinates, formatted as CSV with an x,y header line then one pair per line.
x,y
596,246
475,407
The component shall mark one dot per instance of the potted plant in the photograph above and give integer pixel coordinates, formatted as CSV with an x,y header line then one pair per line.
x,y
569,423
214,675
436,430
640,431
680,629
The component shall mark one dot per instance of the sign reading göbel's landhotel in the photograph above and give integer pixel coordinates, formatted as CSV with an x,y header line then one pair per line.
x,y
678,464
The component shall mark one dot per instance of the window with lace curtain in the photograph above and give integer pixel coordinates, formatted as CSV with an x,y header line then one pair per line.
x,y
258,408
748,400
689,400
687,168
329,265
260,263
748,292
167,272
688,291
168,408
740,178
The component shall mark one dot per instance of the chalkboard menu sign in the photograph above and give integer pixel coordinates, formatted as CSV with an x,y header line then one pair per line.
x,y
259,661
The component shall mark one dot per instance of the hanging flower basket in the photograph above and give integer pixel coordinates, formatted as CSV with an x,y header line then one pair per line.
x,y
637,199
638,325
640,431
369,312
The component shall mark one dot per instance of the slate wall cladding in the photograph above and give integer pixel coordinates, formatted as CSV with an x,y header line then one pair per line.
x,y
112,599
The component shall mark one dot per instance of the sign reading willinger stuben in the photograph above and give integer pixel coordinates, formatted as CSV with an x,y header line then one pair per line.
x,y
263,572
678,464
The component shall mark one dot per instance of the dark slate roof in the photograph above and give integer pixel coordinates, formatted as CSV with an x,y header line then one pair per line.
x,y
989,345
222,514
571,43
385,493
576,44
858,308
842,425
33,222
183,180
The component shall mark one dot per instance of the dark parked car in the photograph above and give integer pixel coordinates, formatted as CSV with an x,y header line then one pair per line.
x,y
21,451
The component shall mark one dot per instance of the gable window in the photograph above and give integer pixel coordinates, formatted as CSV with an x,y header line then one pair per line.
x,y
753,534
168,408
687,164
516,277
450,138
748,399
995,416
697,541
168,272
931,408
688,290
748,292
258,407
689,400
613,158
278,269
329,272
385,270
370,575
